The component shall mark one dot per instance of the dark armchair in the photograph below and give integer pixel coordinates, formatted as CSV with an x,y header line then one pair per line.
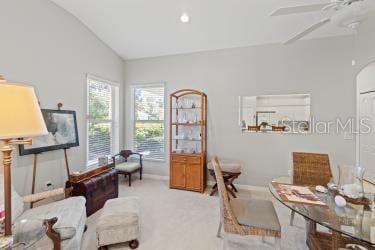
x,y
125,167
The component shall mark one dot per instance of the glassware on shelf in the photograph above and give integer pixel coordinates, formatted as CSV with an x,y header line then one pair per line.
x,y
196,116
179,104
187,104
197,148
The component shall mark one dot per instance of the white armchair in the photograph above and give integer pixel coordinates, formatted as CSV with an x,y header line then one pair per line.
x,y
65,219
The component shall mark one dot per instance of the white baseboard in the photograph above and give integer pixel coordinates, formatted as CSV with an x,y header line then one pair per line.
x,y
210,183
245,187
155,177
252,188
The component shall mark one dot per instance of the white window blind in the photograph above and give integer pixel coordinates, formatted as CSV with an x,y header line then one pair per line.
x,y
102,119
148,117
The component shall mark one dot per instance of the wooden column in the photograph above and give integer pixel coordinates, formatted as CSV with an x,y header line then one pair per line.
x,y
7,160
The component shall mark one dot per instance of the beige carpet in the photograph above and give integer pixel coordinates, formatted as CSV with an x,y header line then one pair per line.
x,y
181,220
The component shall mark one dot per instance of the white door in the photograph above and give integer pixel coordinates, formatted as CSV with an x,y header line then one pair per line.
x,y
367,140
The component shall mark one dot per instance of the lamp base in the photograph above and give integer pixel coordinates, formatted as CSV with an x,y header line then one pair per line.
x,y
7,161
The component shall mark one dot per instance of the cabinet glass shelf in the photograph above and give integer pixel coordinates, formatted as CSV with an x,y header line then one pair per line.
x,y
186,154
177,139
196,108
187,124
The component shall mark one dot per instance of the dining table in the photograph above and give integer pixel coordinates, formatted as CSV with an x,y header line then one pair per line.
x,y
352,224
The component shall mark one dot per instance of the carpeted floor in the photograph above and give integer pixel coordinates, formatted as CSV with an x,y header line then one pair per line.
x,y
181,220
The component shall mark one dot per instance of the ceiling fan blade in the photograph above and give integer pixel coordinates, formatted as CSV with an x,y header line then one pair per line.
x,y
308,30
299,9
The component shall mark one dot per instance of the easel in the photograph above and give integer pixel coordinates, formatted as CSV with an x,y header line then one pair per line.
x,y
59,106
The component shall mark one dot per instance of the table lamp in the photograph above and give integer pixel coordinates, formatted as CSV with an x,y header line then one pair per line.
x,y
20,117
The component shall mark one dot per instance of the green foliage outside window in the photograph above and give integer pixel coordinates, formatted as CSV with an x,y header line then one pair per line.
x,y
99,130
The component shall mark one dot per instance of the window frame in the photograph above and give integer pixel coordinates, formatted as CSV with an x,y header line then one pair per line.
x,y
115,116
133,121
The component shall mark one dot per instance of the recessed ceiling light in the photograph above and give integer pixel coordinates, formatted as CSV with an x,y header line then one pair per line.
x,y
184,18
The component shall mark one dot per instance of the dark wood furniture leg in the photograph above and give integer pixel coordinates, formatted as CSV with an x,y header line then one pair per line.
x,y
52,234
134,244
228,180
231,192
234,188
214,189
130,179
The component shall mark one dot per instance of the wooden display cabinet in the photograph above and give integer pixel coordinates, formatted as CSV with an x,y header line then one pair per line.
x,y
188,140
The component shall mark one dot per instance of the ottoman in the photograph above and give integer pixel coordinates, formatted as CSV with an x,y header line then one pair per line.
x,y
119,222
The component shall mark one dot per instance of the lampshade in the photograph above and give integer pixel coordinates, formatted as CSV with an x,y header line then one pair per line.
x,y
20,114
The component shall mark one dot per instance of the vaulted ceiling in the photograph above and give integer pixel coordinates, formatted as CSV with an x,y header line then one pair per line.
x,y
148,28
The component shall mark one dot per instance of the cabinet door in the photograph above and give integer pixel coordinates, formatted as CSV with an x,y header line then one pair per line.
x,y
178,174
193,176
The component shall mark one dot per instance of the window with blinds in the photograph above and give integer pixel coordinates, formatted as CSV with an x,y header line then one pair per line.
x,y
148,117
102,119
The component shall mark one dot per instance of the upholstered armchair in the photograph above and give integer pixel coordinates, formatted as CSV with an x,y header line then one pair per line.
x,y
126,167
65,219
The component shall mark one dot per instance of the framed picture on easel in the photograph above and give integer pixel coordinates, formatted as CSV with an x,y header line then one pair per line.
x,y
62,133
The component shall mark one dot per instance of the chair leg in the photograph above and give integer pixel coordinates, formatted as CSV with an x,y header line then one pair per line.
x,y
231,192
219,231
130,179
234,188
140,173
292,217
213,190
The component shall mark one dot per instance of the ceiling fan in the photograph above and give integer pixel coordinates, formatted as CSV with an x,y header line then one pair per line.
x,y
347,13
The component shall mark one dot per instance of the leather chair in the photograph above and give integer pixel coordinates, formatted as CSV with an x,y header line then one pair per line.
x,y
127,168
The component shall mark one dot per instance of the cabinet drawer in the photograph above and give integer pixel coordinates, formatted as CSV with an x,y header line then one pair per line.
x,y
186,158
194,159
179,158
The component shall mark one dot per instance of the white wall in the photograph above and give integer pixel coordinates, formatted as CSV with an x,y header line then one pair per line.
x,y
321,68
364,55
44,46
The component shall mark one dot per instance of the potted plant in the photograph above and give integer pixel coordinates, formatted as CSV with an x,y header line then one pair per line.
x,y
264,125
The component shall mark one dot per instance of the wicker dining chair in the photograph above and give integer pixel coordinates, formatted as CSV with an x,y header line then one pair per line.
x,y
310,169
241,217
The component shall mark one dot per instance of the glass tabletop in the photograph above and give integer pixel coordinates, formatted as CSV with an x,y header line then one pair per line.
x,y
27,232
356,221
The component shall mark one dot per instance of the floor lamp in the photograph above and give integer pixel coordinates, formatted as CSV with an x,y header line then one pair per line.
x,y
20,117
